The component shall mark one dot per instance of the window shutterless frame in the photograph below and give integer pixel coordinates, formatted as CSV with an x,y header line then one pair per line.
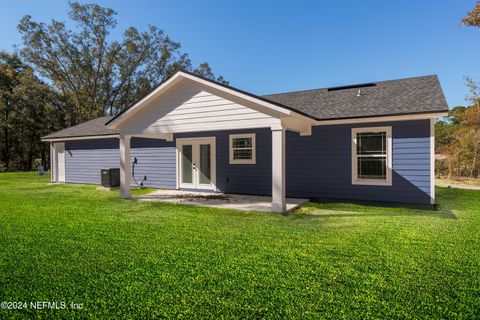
x,y
373,182
232,148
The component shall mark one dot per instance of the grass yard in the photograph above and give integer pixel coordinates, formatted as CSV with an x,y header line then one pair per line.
x,y
126,259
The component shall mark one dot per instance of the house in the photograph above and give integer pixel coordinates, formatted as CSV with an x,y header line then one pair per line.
x,y
372,141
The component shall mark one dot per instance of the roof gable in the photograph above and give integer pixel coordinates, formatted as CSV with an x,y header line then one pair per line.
x,y
260,104
192,107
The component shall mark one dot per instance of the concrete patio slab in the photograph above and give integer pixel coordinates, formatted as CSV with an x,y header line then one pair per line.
x,y
218,200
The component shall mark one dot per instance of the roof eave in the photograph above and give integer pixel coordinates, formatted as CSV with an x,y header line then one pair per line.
x,y
386,117
84,137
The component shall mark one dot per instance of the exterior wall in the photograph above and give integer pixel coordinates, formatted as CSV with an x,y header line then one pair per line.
x,y
319,166
85,158
156,160
241,178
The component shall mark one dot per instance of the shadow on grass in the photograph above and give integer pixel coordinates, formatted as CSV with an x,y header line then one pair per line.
x,y
346,214
331,208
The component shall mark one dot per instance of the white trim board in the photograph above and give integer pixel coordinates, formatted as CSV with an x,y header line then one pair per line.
x,y
81,138
423,116
432,161
59,161
372,182
195,142
230,149
163,136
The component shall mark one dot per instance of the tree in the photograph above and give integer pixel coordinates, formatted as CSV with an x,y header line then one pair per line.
x,y
472,19
26,113
445,129
458,136
97,75
10,67
472,115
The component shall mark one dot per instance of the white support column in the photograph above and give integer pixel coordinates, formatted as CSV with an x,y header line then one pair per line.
x,y
52,163
125,166
432,160
278,170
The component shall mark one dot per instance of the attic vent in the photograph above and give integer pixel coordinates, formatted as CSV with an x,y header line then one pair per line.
x,y
363,85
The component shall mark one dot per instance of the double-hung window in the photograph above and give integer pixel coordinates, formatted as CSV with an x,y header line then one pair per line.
x,y
242,149
372,156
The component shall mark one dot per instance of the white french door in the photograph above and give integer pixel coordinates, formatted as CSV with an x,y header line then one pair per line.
x,y
196,165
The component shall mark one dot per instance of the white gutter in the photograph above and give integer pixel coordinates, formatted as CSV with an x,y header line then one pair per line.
x,y
80,138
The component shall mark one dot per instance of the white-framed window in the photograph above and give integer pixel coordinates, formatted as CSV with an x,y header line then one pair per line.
x,y
242,149
372,156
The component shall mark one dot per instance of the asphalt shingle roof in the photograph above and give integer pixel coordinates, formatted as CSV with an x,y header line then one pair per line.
x,y
385,98
392,97
95,127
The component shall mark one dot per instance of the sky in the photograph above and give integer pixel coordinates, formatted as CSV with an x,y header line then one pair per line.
x,y
279,46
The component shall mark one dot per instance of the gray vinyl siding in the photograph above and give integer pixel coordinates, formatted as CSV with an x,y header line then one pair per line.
x,y
241,178
156,160
319,166
85,158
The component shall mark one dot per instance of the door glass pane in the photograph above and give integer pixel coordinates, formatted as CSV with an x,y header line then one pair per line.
x,y
372,168
205,164
187,163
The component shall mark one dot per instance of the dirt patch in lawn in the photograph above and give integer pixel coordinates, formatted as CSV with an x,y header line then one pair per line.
x,y
469,184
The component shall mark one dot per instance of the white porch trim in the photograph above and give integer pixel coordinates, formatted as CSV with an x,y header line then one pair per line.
x,y
125,169
53,163
432,161
278,170
162,136
57,169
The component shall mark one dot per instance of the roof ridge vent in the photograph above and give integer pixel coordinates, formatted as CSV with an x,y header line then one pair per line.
x,y
362,85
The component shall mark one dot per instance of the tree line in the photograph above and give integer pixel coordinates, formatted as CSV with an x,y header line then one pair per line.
x,y
458,134
60,76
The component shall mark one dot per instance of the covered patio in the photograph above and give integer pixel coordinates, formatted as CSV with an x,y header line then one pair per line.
x,y
186,104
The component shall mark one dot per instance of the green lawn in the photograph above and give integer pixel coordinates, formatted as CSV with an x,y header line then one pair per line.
x,y
126,259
